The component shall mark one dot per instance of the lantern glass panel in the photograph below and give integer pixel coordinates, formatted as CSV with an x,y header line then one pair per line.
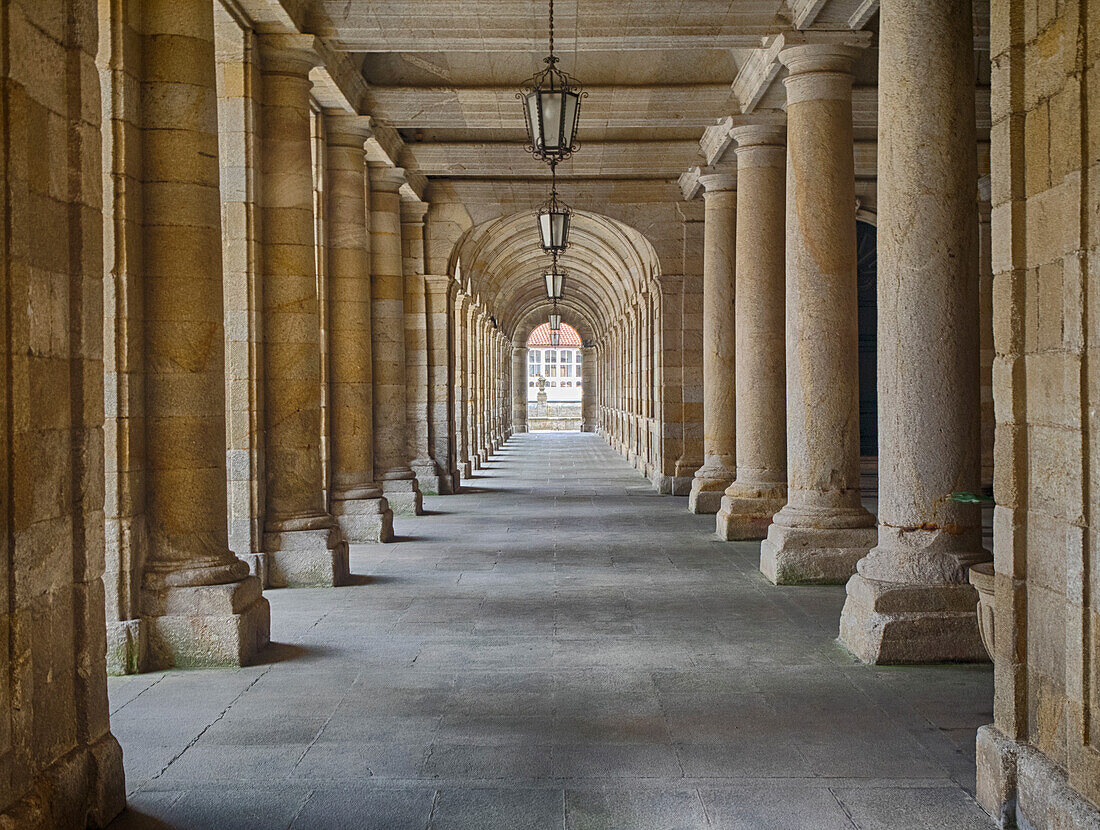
x,y
555,338
554,229
551,121
555,322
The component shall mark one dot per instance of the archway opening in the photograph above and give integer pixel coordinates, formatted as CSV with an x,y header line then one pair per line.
x,y
554,380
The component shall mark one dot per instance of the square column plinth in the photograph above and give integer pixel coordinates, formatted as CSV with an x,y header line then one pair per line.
x,y
404,496
888,623
747,517
316,558
364,521
813,556
706,494
205,625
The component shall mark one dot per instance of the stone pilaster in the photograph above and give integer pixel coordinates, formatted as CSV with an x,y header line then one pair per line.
x,y
198,603
303,543
823,530
910,601
439,304
356,501
719,424
391,445
760,489
589,413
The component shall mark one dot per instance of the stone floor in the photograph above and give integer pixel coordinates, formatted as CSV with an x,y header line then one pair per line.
x,y
558,647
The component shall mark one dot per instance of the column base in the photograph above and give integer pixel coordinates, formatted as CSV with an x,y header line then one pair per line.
x,y
466,469
85,787
747,517
311,558
364,521
519,428
891,623
427,479
706,494
404,496
814,555
588,428
205,625
126,647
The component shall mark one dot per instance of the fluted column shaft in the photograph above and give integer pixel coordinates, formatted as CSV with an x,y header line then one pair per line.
x,y
357,501
824,529
719,418
911,601
760,489
189,564
304,544
391,449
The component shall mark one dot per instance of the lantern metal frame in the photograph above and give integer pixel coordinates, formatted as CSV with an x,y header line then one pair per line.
x,y
555,318
555,338
545,87
554,280
553,232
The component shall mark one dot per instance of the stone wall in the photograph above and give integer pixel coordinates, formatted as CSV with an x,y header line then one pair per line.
x,y
62,767
1039,763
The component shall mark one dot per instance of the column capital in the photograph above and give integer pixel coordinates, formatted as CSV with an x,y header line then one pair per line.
x,y
384,177
438,284
282,54
343,129
819,65
759,135
717,181
809,52
412,213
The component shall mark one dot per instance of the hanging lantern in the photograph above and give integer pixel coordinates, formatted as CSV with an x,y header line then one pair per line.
x,y
555,322
551,106
555,338
553,220
555,281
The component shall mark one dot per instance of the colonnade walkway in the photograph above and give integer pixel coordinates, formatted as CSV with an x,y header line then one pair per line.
x,y
557,647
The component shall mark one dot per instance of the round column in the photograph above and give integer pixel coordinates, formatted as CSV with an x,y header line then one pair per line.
x,y
823,530
911,601
303,542
589,408
719,424
760,489
201,606
462,386
357,502
391,448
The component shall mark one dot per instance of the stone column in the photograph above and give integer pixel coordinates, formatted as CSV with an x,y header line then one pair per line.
x,y
824,529
416,347
357,501
473,375
760,489
589,409
304,544
910,601
198,600
719,443
462,386
519,389
439,304
391,446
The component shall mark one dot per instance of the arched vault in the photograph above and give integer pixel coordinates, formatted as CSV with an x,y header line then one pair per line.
x,y
608,264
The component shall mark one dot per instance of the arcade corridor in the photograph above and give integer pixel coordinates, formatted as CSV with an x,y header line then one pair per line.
x,y
557,646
